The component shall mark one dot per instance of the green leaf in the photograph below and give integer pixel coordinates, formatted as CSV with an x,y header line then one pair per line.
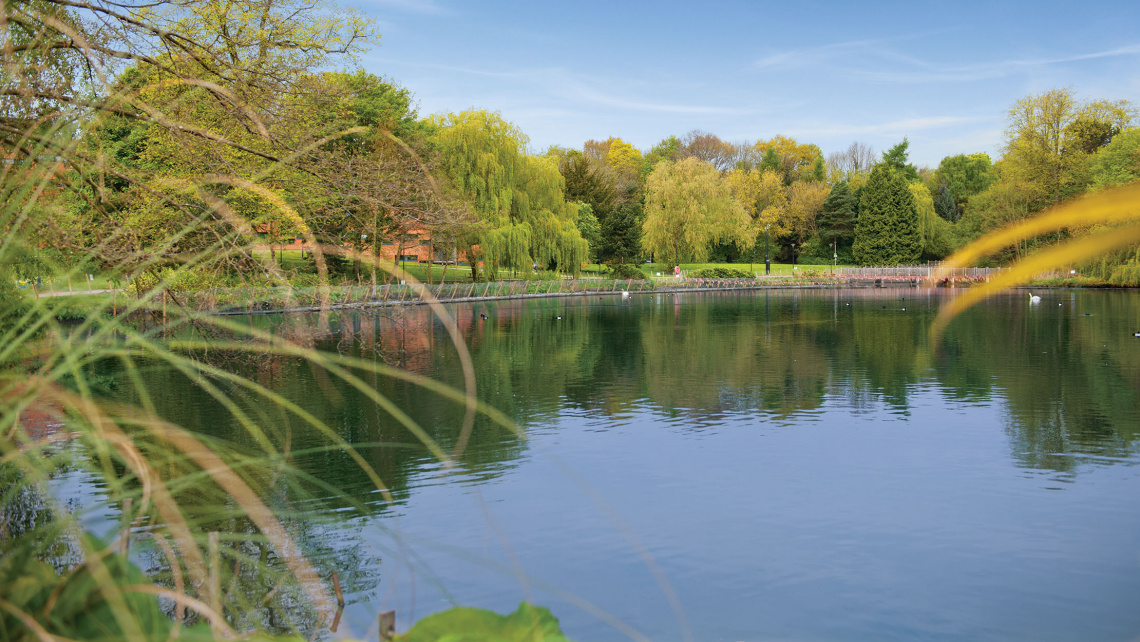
x,y
462,624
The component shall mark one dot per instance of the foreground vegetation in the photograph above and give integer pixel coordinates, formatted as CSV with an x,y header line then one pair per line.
x,y
166,145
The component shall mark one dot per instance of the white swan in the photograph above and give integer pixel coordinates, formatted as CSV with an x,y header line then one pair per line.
x,y
624,294
1034,299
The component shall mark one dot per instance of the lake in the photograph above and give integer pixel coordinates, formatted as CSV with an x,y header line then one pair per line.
x,y
784,464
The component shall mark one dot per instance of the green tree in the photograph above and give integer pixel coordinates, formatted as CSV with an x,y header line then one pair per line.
x,y
962,176
770,161
934,231
897,159
1118,162
945,204
966,174
689,206
887,231
818,170
586,184
590,229
1087,135
668,149
621,234
837,218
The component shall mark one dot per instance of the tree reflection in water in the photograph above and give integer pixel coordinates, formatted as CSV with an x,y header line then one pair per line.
x,y
1067,378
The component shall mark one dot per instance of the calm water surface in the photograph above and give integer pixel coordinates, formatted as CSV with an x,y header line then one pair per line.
x,y
743,466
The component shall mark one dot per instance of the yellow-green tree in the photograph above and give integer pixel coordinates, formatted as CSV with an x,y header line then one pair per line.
x,y
262,42
224,96
689,206
624,158
619,163
1035,136
764,197
522,215
1050,136
796,161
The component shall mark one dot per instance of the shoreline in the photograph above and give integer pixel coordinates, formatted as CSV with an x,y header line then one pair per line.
x,y
277,301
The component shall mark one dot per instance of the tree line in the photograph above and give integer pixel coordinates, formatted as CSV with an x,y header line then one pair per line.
x,y
190,134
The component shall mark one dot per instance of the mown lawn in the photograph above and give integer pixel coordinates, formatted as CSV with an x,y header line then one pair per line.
x,y
291,261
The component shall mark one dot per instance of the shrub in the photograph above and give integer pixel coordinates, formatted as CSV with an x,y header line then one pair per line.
x,y
542,275
721,273
13,301
178,280
625,271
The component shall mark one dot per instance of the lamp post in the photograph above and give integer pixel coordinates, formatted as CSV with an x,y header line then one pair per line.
x,y
834,258
767,259
793,259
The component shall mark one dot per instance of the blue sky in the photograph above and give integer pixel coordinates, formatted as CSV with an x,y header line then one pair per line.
x,y
942,74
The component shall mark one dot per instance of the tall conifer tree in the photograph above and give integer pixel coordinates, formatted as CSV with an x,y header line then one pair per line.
x,y
837,219
887,232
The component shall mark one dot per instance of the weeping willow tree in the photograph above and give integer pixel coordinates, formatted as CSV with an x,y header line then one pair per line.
x,y
523,217
688,207
934,231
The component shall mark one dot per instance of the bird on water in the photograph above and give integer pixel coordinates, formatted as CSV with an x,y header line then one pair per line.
x,y
1034,299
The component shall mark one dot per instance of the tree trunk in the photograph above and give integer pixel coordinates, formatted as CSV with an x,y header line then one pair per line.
x,y
471,259
374,251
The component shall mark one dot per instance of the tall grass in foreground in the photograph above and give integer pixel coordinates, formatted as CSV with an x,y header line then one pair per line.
x,y
210,515
215,521
227,559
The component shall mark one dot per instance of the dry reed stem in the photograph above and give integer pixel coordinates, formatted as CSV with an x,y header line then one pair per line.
x,y
1118,206
252,506
1025,269
159,495
175,571
1112,206
217,622
30,622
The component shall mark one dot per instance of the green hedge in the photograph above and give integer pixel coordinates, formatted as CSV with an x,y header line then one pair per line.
x,y
625,271
721,273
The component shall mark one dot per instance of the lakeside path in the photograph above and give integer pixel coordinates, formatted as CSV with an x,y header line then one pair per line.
x,y
403,295
48,295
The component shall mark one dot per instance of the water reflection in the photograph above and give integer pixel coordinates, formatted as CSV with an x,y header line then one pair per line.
x,y
1067,374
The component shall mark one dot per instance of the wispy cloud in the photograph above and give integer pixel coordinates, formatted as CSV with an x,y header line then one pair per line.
x,y
470,71
570,87
811,56
584,93
895,127
430,7
875,60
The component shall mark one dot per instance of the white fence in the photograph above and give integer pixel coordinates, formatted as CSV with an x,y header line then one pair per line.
x,y
916,271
